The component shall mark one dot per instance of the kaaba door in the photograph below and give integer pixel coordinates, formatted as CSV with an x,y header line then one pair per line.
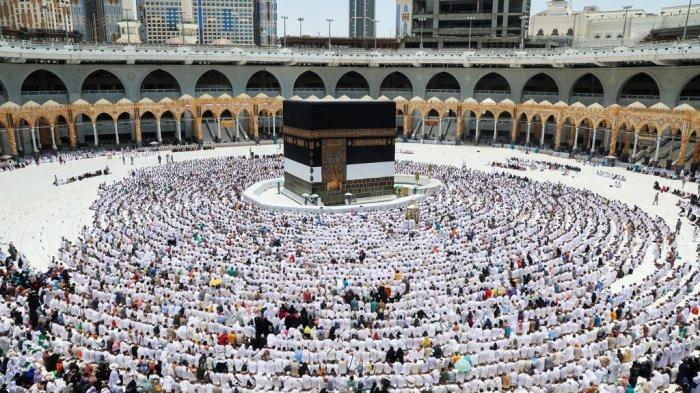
x,y
334,163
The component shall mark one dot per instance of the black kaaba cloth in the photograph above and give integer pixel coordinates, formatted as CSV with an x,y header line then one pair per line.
x,y
339,115
338,147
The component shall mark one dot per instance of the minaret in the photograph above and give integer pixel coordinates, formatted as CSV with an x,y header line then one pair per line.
x,y
129,25
188,29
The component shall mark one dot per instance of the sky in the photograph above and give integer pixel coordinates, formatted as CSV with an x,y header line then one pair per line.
x,y
315,13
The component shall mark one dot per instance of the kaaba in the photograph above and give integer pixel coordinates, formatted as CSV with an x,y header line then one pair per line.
x,y
336,147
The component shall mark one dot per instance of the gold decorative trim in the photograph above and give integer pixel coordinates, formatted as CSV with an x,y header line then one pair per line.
x,y
346,133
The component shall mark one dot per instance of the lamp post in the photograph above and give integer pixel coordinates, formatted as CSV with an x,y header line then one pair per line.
x,y
284,24
422,26
375,21
300,20
624,24
330,45
470,19
687,16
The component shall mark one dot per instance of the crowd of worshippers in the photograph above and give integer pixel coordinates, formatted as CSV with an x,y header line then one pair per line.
x,y
87,175
64,156
611,176
179,285
543,165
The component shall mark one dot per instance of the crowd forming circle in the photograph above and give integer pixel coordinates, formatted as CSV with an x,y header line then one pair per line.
x,y
504,283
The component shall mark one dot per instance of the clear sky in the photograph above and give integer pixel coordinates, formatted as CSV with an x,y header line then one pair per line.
x,y
315,13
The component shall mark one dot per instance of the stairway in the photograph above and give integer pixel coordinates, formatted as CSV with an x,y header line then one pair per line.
x,y
209,131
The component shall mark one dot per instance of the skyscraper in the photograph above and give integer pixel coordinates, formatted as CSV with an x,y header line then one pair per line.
x,y
361,18
404,12
218,22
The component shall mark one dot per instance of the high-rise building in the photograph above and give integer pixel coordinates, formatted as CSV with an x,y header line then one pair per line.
x,y
468,23
210,22
404,10
41,19
266,19
103,18
362,18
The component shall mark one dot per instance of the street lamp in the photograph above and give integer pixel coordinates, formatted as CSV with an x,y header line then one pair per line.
x,y
375,21
300,20
422,26
687,16
470,19
329,32
624,24
284,23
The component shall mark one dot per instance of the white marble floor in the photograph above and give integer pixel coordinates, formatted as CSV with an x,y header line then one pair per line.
x,y
35,214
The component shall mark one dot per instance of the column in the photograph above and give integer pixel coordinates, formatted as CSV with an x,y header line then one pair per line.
x,y
595,132
34,149
514,130
53,138
407,126
529,129
422,128
459,131
197,131
613,140
256,128
542,132
116,131
682,151
72,135
11,139
506,6
634,146
476,138
94,133
137,130
495,130
178,129
658,146
557,135
159,136
439,128
274,126
218,128
576,139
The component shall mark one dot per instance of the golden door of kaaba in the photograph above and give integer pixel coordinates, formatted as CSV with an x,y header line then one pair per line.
x,y
334,163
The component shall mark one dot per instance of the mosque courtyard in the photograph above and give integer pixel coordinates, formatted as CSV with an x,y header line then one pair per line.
x,y
518,278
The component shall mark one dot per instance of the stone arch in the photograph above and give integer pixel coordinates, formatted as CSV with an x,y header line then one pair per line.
x,y
159,84
214,83
309,83
353,85
587,89
102,84
492,85
690,92
541,87
396,84
443,85
263,82
640,87
42,85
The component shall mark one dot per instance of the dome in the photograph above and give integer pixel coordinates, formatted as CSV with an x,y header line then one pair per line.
x,y
124,101
660,106
577,105
243,96
206,97
417,99
146,100
507,101
596,106
186,97
452,100
685,107
399,98
225,97
80,102
11,105
561,104
545,103
166,100
102,101
636,105
471,100
383,98
367,98
262,96
488,101
50,103
434,100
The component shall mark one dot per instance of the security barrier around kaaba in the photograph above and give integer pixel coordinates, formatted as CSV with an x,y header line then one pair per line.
x,y
338,147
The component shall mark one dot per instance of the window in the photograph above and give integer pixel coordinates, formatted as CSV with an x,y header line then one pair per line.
x,y
227,20
172,18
